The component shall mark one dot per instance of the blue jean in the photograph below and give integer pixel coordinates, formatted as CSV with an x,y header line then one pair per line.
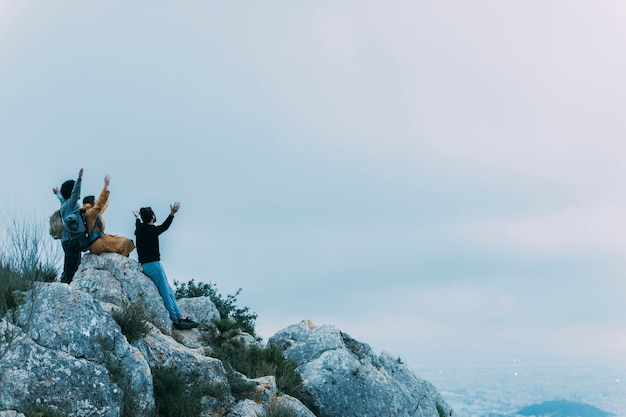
x,y
156,272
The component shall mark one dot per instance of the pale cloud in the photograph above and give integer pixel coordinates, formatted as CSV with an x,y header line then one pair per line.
x,y
424,175
543,103
587,227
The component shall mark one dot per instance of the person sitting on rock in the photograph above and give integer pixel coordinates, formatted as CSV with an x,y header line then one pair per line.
x,y
99,241
149,256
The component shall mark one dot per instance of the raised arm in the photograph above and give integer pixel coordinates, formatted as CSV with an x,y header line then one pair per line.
x,y
103,199
57,192
76,190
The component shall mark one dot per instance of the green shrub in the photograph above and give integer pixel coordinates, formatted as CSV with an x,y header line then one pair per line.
x,y
255,362
132,320
176,396
28,256
226,306
28,249
10,283
277,410
37,410
252,361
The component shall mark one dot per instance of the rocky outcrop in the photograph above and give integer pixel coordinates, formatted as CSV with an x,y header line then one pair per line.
x,y
114,280
63,353
62,349
345,378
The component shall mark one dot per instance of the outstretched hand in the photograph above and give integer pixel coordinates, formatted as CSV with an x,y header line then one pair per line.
x,y
55,190
174,208
107,180
80,174
136,213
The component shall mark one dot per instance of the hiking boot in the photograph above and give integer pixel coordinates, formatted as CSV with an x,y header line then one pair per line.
x,y
192,324
185,324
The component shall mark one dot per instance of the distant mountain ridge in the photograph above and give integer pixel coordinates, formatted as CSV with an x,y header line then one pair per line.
x,y
562,408
556,408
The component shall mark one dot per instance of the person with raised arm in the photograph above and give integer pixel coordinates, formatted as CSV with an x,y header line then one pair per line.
x,y
68,196
99,241
149,256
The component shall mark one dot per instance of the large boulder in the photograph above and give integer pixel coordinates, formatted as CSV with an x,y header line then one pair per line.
x,y
345,378
116,280
72,357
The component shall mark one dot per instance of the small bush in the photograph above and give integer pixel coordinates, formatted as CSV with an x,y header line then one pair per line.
x,y
132,320
174,397
10,283
28,256
227,306
37,410
277,410
28,249
255,362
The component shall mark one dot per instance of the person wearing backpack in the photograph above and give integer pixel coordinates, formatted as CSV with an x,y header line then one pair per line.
x,y
99,241
68,196
147,234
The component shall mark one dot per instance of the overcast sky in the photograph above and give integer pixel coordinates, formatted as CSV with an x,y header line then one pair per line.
x,y
439,179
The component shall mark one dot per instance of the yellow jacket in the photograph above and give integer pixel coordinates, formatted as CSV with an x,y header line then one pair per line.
x,y
95,211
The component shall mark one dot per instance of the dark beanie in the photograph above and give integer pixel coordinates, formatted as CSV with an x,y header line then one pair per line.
x,y
146,214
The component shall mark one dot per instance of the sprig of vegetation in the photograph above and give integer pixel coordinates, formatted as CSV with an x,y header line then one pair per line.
x,y
175,396
10,283
226,306
277,409
132,319
37,410
253,361
29,256
28,249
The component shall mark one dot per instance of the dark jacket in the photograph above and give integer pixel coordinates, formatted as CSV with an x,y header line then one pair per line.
x,y
147,239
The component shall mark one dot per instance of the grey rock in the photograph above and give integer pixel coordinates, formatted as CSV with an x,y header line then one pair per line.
x,y
200,309
250,408
191,365
115,279
66,323
345,378
11,413
296,405
245,408
71,386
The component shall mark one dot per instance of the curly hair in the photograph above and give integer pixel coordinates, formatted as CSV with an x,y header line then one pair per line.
x,y
66,189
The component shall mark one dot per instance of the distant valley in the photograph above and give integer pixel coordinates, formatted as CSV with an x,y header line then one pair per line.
x,y
530,388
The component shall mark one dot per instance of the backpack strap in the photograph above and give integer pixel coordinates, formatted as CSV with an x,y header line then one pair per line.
x,y
93,235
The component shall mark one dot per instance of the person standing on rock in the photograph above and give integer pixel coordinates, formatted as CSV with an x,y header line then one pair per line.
x,y
147,238
68,195
99,241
